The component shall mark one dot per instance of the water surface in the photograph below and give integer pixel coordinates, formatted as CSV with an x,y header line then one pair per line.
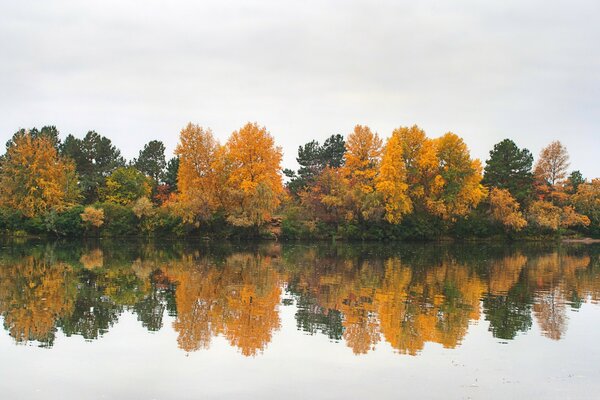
x,y
129,320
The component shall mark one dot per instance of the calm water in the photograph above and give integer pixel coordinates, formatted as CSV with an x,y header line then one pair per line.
x,y
114,320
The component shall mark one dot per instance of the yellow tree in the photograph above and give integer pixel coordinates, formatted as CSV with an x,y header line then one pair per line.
x,y
553,163
391,181
505,210
363,153
362,158
34,178
457,187
407,172
253,165
196,177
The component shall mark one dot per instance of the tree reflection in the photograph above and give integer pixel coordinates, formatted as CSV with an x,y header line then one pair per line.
x,y
406,296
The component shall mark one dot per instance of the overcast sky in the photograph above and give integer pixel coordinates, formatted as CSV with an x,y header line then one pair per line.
x,y
140,70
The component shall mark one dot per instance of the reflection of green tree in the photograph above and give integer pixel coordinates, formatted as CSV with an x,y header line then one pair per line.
x,y
151,309
509,314
94,312
313,319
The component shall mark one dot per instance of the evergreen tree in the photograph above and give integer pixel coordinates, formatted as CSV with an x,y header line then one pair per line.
x,y
510,168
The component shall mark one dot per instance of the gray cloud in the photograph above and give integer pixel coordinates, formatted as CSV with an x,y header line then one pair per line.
x,y
140,70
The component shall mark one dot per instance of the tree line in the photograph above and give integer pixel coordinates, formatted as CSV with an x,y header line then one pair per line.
x,y
409,186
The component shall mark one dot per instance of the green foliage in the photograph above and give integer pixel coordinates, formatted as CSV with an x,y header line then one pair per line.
x,y
125,185
151,160
95,159
313,159
119,220
510,168
171,171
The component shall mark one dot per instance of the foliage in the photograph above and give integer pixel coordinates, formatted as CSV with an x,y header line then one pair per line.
x,y
553,163
253,178
93,216
95,159
125,185
34,178
505,209
151,160
509,167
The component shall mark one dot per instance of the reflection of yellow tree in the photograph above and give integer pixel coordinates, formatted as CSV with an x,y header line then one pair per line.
x,y
92,259
34,294
238,299
505,272
555,275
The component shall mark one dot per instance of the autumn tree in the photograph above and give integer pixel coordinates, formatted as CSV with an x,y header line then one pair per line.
x,y
407,173
587,202
392,180
362,158
95,159
553,163
254,176
93,216
34,178
196,173
125,185
509,167
505,210
456,188
363,154
151,160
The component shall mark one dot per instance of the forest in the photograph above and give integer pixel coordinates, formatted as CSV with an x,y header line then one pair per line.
x,y
353,187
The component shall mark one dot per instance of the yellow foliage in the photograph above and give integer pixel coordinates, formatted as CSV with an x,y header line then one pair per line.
x,y
35,179
505,209
457,188
392,181
93,216
363,152
254,178
544,214
197,177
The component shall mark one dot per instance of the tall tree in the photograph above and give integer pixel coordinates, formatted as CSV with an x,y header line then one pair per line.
x,y
34,178
457,187
509,167
553,163
151,160
254,175
332,151
196,175
392,181
171,172
362,158
95,159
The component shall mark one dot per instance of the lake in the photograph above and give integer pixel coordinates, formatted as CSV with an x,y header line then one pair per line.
x,y
180,320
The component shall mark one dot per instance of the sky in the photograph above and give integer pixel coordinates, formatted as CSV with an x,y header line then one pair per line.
x,y
135,71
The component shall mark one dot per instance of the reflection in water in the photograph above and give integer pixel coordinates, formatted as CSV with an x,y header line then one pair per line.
x,y
405,295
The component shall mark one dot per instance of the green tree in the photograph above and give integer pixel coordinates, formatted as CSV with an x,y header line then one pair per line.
x,y
574,180
95,159
332,151
171,171
48,131
125,185
313,159
509,167
151,160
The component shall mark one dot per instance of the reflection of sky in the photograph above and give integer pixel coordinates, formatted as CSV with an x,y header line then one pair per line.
x,y
131,363
136,71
